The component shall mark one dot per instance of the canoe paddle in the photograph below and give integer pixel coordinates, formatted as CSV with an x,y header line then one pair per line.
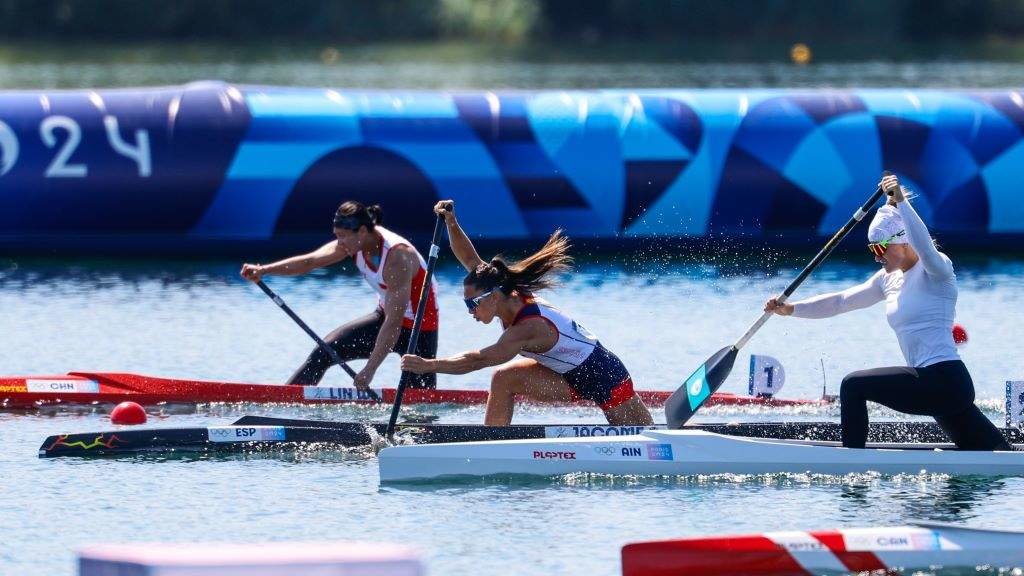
x,y
420,311
681,405
320,342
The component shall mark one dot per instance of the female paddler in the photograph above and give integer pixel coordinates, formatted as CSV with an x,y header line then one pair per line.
x,y
562,361
394,270
919,289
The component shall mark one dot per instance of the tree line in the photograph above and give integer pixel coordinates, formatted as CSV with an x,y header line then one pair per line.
x,y
513,21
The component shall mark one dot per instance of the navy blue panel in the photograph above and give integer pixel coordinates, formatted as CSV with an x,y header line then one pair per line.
x,y
778,205
192,143
903,142
646,181
676,118
544,193
430,130
369,175
531,176
511,125
824,109
1006,105
963,209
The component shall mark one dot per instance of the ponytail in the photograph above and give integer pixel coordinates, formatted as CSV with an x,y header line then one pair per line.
x,y
533,273
352,215
376,214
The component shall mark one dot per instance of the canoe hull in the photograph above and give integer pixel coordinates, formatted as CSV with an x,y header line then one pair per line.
x,y
85,388
915,547
680,452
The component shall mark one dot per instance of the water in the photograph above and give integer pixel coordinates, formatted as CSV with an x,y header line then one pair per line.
x,y
469,66
663,316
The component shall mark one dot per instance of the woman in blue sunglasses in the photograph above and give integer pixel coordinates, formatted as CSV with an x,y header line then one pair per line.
x,y
919,289
562,361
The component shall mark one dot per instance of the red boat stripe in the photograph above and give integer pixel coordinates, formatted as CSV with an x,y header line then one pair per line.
x,y
806,550
854,561
733,556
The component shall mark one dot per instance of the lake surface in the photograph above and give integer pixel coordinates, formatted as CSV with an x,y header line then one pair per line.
x,y
663,316
469,66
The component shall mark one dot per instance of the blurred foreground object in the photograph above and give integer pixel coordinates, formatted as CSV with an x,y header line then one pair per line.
x,y
256,559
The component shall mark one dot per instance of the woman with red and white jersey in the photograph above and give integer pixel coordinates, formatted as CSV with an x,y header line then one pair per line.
x,y
562,361
394,269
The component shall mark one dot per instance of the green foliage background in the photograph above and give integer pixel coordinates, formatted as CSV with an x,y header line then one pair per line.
x,y
513,21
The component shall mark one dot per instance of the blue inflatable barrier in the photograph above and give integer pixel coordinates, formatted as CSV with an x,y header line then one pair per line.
x,y
216,165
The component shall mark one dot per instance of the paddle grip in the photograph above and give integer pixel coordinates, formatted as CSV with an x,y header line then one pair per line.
x,y
417,323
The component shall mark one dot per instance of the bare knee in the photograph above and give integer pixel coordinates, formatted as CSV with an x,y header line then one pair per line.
x,y
633,412
505,381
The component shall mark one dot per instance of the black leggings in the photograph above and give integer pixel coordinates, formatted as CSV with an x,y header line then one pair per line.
x,y
355,340
943,391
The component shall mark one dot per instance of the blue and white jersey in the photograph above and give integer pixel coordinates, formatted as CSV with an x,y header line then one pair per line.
x,y
574,345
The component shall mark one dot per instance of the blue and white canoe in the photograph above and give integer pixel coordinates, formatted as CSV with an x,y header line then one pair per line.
x,y
682,452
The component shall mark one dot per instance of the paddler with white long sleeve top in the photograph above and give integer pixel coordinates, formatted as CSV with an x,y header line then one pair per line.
x,y
919,288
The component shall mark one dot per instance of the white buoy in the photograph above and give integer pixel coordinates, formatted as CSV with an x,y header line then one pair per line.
x,y
256,559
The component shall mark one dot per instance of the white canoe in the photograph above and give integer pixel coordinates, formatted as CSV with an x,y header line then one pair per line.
x,y
682,452
920,546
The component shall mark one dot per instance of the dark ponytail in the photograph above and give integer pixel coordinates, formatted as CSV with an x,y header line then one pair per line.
x,y
533,273
352,215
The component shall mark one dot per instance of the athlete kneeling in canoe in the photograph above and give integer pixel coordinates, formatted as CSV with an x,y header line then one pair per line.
x,y
394,269
919,288
563,361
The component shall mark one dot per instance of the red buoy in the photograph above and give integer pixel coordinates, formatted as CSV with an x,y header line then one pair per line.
x,y
128,413
959,334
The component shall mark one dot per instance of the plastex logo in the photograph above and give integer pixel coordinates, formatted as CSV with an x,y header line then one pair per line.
x,y
552,455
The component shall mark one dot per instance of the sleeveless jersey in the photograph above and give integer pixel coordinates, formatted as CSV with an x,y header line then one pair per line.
x,y
375,278
575,343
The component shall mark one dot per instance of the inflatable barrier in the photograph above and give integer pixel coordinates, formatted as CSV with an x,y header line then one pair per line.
x,y
210,165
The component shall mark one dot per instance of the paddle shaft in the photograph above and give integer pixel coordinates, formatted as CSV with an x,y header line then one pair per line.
x,y
829,246
417,323
323,345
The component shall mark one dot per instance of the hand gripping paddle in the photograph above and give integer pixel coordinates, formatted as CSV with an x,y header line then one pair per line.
x,y
420,310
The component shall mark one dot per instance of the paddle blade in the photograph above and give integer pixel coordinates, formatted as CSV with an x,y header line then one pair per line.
x,y
698,387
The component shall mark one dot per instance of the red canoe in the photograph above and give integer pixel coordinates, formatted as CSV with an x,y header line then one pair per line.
x,y
924,546
114,387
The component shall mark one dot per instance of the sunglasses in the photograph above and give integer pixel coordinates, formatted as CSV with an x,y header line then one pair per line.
x,y
879,248
474,303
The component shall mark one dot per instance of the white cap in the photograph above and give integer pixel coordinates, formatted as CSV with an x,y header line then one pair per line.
x,y
887,225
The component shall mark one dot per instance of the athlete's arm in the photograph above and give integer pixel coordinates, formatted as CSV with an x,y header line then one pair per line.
x,y
935,264
462,247
525,336
330,253
399,270
835,303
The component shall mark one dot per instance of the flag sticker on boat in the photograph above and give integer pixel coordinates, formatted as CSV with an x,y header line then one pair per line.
x,y
898,538
697,388
340,394
659,451
246,433
76,386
